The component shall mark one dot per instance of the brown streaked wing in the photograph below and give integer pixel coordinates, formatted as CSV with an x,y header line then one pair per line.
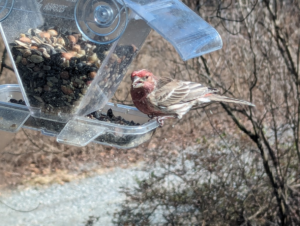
x,y
170,93
197,90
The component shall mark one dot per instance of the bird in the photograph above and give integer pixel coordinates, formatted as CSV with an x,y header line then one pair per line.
x,y
164,97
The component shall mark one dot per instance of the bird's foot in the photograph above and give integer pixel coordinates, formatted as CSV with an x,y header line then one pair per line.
x,y
160,119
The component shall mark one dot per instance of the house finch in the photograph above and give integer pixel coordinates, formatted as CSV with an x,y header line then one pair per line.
x,y
164,97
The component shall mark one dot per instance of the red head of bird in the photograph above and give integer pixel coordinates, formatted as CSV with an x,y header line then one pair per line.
x,y
143,79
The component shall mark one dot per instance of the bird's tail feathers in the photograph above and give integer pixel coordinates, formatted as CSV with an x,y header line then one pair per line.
x,y
219,98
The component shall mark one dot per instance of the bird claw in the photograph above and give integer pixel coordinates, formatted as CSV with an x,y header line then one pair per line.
x,y
160,121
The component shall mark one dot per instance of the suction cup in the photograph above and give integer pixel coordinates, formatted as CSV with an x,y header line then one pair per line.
x,y
5,8
101,21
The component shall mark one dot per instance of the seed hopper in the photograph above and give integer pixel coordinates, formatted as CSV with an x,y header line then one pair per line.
x,y
70,56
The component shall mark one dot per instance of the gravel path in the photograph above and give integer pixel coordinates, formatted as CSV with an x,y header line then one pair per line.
x,y
71,203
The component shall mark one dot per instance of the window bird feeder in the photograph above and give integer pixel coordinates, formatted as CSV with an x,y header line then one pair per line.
x,y
70,56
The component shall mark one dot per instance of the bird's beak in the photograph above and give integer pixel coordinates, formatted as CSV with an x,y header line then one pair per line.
x,y
137,82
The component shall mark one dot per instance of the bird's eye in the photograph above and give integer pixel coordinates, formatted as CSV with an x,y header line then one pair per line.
x,y
147,77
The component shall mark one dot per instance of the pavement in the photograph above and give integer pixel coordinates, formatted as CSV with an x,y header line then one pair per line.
x,y
71,203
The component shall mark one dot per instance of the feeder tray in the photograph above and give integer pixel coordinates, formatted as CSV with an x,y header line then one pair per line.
x,y
80,131
70,57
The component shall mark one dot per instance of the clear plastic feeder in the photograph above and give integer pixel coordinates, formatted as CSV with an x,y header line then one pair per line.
x,y
184,29
70,56
15,116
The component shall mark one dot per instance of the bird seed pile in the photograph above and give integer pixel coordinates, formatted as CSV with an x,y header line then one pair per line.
x,y
57,67
97,115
